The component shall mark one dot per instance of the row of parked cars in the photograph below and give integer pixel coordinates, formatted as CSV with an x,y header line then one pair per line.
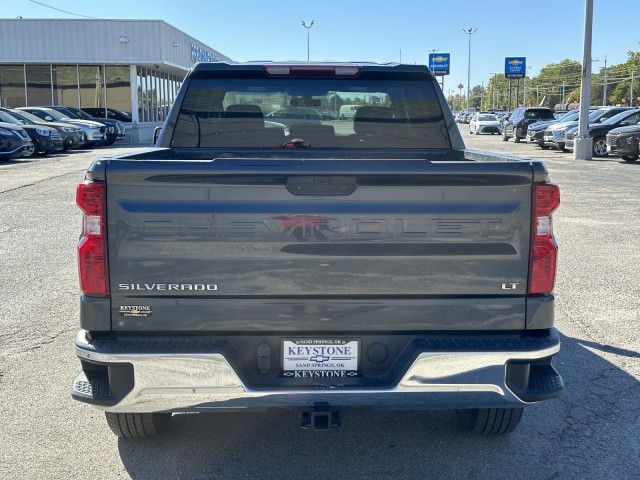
x,y
34,131
614,130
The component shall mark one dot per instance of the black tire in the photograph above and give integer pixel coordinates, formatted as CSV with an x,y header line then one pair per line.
x,y
490,421
543,146
516,138
599,147
628,158
110,142
504,135
33,151
137,425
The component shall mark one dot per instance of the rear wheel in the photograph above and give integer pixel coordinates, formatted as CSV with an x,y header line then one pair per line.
x,y
137,425
543,146
504,135
490,421
628,158
516,138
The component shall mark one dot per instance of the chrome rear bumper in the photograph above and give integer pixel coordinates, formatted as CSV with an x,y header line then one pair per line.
x,y
206,381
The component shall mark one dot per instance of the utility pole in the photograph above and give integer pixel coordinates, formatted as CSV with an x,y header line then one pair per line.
x,y
631,97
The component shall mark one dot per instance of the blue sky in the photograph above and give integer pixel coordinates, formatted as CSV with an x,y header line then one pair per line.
x,y
382,31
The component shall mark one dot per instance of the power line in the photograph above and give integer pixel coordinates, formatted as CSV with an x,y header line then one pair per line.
x,y
60,10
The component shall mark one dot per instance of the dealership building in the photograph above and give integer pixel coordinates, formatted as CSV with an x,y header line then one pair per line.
x,y
132,66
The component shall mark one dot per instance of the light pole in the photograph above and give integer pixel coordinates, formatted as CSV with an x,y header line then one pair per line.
x,y
308,28
432,51
605,102
583,143
469,31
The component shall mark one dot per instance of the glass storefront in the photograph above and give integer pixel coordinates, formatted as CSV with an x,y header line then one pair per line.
x,y
38,84
65,84
98,86
156,92
12,86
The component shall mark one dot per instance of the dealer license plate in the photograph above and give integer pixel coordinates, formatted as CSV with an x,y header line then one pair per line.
x,y
320,355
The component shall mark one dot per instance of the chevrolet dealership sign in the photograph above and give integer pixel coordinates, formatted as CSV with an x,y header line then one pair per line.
x,y
439,63
515,67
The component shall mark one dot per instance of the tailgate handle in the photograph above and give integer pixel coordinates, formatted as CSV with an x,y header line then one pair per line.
x,y
322,184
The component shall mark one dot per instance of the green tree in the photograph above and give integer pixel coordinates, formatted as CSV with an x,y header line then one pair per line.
x,y
556,83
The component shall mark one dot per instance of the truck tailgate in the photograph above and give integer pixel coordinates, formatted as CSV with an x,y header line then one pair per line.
x,y
318,245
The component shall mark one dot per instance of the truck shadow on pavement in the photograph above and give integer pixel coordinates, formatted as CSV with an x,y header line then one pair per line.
x,y
591,431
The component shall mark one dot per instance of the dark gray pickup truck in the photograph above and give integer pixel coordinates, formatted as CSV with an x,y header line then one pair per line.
x,y
312,263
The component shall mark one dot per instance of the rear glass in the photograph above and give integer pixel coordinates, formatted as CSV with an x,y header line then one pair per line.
x,y
332,113
539,114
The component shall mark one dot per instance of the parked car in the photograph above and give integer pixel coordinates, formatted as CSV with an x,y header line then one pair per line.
x,y
71,136
520,120
14,142
484,123
461,117
535,132
598,131
554,135
296,115
45,139
623,142
94,132
115,128
348,112
112,113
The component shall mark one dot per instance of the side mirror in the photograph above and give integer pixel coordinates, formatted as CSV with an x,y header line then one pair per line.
x,y
156,134
48,118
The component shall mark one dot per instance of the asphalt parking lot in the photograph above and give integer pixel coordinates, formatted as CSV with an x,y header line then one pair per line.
x,y
592,431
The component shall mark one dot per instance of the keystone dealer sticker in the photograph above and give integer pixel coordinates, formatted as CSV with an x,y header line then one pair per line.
x,y
320,358
135,310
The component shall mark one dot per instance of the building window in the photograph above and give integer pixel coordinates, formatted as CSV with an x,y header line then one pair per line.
x,y
38,85
156,93
118,88
12,86
92,92
65,85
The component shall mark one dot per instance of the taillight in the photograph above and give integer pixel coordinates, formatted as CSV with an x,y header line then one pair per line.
x,y
544,250
92,248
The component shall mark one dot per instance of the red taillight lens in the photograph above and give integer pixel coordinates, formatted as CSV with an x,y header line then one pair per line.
x,y
92,258
544,250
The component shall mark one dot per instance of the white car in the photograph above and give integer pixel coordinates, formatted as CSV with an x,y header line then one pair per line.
x,y
484,123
